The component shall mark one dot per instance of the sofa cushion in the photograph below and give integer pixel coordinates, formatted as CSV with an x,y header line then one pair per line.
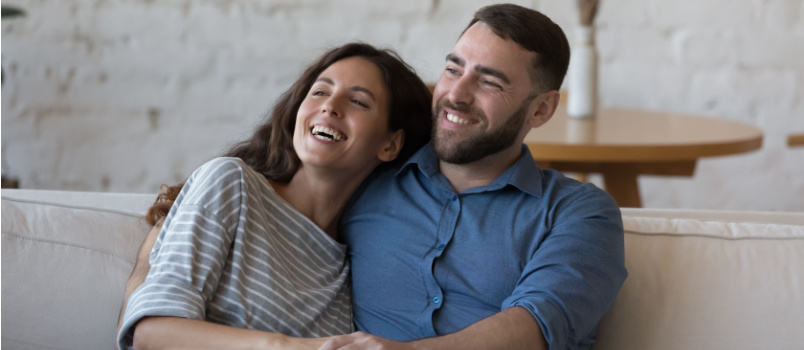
x,y
709,280
697,279
127,202
64,270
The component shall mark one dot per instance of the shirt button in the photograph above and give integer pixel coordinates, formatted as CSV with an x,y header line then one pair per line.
x,y
454,198
441,246
436,300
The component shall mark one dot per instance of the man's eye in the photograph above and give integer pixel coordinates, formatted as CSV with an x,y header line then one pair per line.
x,y
452,71
491,84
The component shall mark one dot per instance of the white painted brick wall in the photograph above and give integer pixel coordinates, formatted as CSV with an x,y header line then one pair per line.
x,y
126,95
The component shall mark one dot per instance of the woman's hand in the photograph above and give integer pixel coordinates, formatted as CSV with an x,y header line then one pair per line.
x,y
176,332
361,340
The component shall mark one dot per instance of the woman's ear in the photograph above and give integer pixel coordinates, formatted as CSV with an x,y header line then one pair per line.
x,y
393,146
545,106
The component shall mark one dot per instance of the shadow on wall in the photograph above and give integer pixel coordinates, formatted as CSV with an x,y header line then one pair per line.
x,y
10,12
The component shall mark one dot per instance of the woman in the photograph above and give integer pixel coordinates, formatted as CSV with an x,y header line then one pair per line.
x,y
248,255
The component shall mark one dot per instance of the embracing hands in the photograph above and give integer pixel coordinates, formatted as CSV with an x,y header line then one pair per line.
x,y
361,340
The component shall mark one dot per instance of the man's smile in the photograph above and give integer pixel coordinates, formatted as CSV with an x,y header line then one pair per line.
x,y
456,119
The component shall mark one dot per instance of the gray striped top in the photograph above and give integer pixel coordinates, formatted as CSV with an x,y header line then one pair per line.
x,y
235,253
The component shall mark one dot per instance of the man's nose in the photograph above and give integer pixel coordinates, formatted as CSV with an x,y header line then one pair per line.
x,y
462,91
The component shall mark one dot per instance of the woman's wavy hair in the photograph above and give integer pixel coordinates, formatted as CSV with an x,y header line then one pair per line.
x,y
270,150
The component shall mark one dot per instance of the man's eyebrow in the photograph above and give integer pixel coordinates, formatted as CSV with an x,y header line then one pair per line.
x,y
354,88
480,69
493,72
455,59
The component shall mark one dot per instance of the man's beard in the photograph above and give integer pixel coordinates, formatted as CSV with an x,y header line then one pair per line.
x,y
449,148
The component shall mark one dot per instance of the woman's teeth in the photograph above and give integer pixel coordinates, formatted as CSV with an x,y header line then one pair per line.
x,y
327,134
456,119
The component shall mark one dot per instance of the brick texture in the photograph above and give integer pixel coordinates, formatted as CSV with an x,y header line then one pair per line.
x,y
124,95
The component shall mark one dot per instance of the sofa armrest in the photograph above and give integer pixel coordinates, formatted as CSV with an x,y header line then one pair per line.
x,y
65,267
709,280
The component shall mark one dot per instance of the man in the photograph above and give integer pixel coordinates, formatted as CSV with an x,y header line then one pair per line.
x,y
469,245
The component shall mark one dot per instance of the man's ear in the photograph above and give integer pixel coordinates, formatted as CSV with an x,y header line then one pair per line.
x,y
392,147
543,108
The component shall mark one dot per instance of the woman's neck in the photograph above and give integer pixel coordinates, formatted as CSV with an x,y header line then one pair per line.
x,y
321,198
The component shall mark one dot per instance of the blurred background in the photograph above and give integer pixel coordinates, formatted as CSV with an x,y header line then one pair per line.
x,y
125,95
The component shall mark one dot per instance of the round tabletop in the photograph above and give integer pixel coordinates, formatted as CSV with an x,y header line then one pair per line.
x,y
628,135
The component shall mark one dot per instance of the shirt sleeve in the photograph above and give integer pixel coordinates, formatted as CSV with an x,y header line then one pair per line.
x,y
191,251
574,275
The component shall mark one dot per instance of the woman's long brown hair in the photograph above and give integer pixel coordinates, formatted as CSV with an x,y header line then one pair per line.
x,y
270,150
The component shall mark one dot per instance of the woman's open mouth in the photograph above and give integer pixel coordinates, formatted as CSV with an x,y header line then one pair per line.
x,y
327,134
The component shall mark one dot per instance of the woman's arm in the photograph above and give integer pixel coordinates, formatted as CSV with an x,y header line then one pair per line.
x,y
187,262
172,332
176,332
141,268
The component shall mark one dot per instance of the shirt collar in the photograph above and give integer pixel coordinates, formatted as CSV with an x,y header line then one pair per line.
x,y
523,174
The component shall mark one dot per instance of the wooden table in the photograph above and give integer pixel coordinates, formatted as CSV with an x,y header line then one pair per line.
x,y
622,144
795,140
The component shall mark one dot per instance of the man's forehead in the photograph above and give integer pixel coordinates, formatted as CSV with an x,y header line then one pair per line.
x,y
479,45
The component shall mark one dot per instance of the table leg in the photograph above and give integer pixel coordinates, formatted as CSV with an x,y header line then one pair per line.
x,y
620,179
621,183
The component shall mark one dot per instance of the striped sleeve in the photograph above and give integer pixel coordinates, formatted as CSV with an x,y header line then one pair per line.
x,y
190,255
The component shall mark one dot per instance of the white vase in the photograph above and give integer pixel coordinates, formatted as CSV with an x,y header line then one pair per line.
x,y
581,131
583,75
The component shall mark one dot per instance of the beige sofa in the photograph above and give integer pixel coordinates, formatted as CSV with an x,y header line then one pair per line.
x,y
697,279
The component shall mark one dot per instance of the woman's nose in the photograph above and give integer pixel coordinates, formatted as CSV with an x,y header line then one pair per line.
x,y
332,107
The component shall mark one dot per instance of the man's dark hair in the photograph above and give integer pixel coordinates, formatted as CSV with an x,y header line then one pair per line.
x,y
536,33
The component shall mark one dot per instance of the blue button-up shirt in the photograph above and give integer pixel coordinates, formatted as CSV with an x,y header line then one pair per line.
x,y
427,261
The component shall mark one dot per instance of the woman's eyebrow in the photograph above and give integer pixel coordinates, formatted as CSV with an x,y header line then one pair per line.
x,y
354,88
364,90
326,80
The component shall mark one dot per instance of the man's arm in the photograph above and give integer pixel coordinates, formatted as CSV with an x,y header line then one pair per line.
x,y
566,288
141,268
514,328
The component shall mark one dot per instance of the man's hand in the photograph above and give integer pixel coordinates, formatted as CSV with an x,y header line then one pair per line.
x,y
510,329
360,340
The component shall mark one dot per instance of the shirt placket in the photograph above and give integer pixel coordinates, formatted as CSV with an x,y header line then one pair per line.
x,y
450,212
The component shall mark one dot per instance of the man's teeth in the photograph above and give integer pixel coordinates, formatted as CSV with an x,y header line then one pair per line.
x,y
327,134
456,119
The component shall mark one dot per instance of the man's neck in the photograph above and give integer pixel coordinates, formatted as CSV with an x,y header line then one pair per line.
x,y
481,172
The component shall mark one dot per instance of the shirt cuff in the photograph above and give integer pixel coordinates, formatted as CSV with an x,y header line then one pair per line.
x,y
159,298
551,319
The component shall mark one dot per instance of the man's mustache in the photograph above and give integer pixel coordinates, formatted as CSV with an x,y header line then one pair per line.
x,y
460,107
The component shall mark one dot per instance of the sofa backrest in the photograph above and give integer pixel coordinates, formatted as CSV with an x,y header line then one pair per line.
x,y
709,280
